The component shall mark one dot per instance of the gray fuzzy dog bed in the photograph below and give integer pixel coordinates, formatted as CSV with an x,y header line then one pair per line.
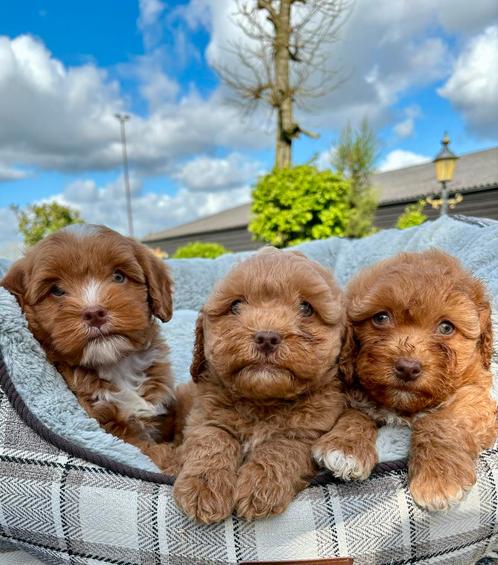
x,y
70,493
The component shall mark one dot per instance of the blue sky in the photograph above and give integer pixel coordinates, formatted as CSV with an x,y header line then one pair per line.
x,y
414,70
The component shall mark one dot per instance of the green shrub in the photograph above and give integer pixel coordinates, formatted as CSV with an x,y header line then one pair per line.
x,y
39,220
200,249
412,216
299,204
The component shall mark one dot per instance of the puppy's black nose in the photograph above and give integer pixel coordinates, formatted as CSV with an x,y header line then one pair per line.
x,y
407,369
95,316
267,342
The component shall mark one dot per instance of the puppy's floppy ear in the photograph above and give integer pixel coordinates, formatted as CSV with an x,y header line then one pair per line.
x,y
16,280
480,299
347,355
199,365
326,274
159,283
486,337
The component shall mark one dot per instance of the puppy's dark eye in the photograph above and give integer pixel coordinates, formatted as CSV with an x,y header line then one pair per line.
x,y
118,277
306,309
235,306
445,328
381,319
57,291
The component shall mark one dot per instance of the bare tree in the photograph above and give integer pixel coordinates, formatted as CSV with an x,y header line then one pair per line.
x,y
284,60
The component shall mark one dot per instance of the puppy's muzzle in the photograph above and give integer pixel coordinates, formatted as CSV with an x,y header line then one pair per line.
x,y
267,342
407,369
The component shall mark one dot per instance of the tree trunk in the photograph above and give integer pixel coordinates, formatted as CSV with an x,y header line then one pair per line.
x,y
283,98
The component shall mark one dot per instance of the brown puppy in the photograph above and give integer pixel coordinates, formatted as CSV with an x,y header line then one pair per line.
x,y
90,296
266,387
419,355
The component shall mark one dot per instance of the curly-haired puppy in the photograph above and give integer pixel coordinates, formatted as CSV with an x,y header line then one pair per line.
x,y
266,387
91,297
419,355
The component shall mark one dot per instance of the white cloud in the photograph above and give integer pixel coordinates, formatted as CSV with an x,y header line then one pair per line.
x,y
400,158
212,174
150,10
151,211
191,126
8,173
406,127
10,243
149,21
324,159
155,85
54,116
473,84
196,13
465,17
62,118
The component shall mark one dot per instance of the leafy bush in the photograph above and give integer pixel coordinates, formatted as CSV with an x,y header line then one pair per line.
x,y
202,249
299,204
412,216
40,220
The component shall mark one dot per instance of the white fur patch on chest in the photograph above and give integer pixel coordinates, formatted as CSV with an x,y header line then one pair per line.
x,y
128,376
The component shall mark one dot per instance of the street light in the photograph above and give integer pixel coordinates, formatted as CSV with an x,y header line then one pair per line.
x,y
122,119
444,163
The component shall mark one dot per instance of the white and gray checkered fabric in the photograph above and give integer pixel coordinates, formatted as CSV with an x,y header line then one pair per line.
x,y
62,509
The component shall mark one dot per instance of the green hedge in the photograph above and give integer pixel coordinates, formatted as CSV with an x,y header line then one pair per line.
x,y
202,249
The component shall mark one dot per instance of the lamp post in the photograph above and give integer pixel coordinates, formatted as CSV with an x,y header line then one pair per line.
x,y
444,163
122,119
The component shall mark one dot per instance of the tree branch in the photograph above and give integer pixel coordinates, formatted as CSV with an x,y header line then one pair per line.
x,y
272,13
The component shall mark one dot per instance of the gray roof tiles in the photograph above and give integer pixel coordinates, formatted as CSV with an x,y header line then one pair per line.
x,y
224,220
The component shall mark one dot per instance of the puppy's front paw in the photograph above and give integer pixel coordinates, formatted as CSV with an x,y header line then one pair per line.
x,y
346,462
258,494
164,456
208,498
434,490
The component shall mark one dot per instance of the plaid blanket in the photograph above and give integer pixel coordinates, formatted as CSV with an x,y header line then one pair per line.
x,y
63,509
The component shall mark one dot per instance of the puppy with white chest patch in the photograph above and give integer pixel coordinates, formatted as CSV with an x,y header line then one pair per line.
x,y
91,297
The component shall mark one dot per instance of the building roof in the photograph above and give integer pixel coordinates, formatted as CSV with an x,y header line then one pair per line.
x,y
224,220
474,171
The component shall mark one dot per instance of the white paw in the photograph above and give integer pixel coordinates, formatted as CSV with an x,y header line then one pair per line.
x,y
342,466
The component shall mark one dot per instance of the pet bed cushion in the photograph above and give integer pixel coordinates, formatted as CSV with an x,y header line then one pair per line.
x,y
71,493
